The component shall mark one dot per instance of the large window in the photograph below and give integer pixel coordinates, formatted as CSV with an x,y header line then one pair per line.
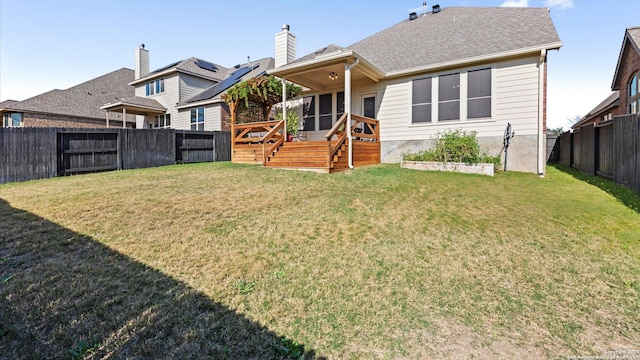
x,y
155,87
479,94
161,121
12,120
197,119
634,94
309,113
449,97
450,103
325,111
421,101
340,104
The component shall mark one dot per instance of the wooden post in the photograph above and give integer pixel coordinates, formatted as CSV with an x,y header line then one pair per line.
x,y
232,109
107,118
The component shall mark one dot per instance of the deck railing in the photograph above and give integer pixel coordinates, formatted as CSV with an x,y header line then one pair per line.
x,y
338,130
270,135
371,133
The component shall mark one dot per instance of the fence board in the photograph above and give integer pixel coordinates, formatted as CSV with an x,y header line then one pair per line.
x,y
587,150
625,131
605,147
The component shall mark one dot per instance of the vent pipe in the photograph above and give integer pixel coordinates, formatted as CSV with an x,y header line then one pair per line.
x,y
424,8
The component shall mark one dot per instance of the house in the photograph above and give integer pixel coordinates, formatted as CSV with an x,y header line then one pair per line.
x,y
626,78
605,111
76,107
467,68
182,95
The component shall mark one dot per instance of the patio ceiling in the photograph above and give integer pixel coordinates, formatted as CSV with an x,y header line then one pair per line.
x,y
314,73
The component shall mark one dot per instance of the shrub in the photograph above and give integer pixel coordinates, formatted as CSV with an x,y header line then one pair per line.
x,y
454,146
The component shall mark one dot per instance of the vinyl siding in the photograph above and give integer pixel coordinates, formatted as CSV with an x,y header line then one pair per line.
x,y
190,86
212,115
515,95
168,98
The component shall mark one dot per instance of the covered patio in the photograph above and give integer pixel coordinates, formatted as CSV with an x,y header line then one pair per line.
x,y
135,105
336,138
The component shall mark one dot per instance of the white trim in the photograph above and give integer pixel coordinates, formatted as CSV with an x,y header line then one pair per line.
x,y
471,61
541,131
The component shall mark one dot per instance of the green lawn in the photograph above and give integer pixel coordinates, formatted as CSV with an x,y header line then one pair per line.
x,y
228,261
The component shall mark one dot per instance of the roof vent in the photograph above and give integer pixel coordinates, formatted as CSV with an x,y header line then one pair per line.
x,y
286,27
413,16
435,9
424,8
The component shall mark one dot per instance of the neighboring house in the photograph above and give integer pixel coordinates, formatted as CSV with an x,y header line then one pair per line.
x,y
626,78
183,95
605,111
625,98
76,107
473,69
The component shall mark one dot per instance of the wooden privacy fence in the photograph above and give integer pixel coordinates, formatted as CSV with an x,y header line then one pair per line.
x,y
610,149
38,153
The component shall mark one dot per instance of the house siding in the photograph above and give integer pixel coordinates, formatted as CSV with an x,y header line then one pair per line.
x,y
168,99
190,86
515,99
212,118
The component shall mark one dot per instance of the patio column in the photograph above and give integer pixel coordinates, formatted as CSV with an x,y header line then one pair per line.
x,y
284,107
347,106
107,118
124,120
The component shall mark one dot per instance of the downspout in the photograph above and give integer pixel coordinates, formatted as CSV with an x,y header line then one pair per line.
x,y
541,105
347,105
284,107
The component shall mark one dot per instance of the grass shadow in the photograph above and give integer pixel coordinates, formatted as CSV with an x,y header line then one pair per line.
x,y
628,197
65,295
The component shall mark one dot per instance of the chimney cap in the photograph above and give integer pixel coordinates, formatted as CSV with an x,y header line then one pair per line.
x,y
285,27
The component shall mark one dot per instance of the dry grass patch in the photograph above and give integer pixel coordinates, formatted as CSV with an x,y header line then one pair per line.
x,y
382,262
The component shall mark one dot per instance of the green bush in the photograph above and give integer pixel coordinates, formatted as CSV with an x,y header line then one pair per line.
x,y
454,146
293,121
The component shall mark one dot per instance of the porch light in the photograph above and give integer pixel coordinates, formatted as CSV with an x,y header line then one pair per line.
x,y
333,75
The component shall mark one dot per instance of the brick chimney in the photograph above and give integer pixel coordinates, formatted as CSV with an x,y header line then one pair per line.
x,y
142,62
285,47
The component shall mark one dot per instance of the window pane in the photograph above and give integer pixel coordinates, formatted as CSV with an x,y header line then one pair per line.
x,y
449,111
633,87
201,127
449,88
325,104
479,83
308,113
200,114
325,122
421,91
479,108
340,102
421,113
167,120
16,119
193,117
194,127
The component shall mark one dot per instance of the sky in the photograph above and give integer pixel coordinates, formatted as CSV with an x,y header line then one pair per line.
x,y
46,45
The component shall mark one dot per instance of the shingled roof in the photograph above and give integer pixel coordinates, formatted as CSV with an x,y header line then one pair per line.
x,y
455,34
253,69
191,65
83,100
611,101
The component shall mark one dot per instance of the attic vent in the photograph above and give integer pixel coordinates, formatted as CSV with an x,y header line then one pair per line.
x,y
413,16
435,9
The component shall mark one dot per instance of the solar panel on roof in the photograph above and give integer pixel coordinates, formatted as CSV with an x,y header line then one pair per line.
x,y
223,85
166,67
206,65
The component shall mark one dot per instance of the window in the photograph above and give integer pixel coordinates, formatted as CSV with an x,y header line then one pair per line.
x,y
449,97
155,87
634,94
449,101
309,113
197,119
325,111
479,94
161,121
12,120
421,101
340,104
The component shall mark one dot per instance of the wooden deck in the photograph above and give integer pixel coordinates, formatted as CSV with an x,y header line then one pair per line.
x,y
263,143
